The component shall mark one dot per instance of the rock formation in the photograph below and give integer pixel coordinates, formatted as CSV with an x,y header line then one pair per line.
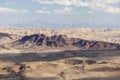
x,y
64,41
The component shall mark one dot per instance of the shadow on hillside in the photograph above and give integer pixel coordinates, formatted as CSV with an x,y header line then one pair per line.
x,y
52,56
18,77
12,77
7,77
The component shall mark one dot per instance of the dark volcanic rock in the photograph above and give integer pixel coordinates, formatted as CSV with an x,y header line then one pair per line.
x,y
43,40
95,45
64,41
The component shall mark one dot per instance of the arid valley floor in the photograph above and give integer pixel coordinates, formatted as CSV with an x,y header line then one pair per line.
x,y
73,54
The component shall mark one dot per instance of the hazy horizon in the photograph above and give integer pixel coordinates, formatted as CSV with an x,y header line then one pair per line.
x,y
60,13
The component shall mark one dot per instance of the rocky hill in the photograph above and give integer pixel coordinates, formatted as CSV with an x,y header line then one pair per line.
x,y
110,35
34,39
43,40
7,38
58,41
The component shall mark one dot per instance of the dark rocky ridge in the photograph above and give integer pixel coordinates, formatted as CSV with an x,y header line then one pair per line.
x,y
64,41
5,35
43,40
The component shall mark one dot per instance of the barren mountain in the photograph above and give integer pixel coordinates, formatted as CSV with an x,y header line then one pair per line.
x,y
62,41
110,35
35,39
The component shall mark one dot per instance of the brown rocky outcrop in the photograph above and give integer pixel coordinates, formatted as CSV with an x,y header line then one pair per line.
x,y
64,41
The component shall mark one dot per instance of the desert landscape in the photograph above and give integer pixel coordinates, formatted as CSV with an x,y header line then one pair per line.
x,y
59,39
59,54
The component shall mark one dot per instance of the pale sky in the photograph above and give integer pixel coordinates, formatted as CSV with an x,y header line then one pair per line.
x,y
60,13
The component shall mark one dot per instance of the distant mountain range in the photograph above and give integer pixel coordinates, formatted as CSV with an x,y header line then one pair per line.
x,y
37,39
43,24
40,41
64,41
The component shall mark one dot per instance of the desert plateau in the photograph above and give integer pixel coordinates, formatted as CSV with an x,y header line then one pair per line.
x,y
59,39
59,54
